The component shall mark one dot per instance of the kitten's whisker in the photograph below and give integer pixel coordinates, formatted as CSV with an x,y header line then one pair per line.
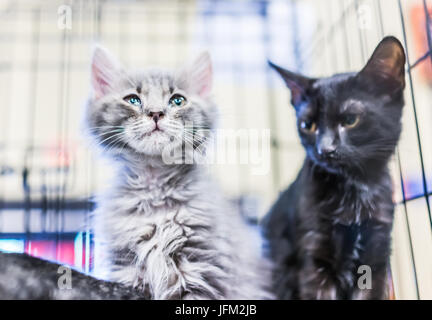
x,y
196,146
173,125
198,139
110,137
180,126
194,134
187,132
140,126
104,127
137,123
140,130
108,132
113,144
194,137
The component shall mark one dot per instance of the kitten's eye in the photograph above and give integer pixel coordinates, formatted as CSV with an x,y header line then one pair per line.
x,y
177,100
350,120
133,99
308,126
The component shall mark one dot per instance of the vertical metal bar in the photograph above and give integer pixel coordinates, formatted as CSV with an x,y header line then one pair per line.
x,y
44,200
362,49
296,35
408,226
63,130
32,112
181,35
345,32
60,147
4,167
381,25
123,35
328,42
271,105
93,175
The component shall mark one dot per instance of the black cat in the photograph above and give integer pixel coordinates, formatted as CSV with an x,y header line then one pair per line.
x,y
338,213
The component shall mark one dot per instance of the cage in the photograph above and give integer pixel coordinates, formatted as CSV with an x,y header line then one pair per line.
x,y
49,174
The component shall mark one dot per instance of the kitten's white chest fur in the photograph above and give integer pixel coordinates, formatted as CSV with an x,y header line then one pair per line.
x,y
178,239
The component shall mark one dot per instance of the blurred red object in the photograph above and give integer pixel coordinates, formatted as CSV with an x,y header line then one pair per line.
x,y
420,37
62,251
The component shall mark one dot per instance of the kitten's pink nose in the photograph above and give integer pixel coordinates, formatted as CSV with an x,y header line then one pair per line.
x,y
156,115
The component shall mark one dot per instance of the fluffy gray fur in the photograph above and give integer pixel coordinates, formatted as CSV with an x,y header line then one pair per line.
x,y
166,228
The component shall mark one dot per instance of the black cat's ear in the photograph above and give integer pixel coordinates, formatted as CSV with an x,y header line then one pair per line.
x,y
386,66
295,82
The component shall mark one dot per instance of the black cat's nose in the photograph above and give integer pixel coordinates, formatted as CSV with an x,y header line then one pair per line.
x,y
327,147
327,151
156,115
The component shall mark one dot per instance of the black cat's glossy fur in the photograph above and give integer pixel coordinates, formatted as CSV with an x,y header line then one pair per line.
x,y
338,213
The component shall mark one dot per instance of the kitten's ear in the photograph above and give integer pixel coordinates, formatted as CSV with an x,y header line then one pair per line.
x,y
297,83
386,66
198,75
104,70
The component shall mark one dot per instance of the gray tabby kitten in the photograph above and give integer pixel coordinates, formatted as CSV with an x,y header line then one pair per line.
x,y
165,228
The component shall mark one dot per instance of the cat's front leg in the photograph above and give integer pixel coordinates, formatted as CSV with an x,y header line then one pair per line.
x,y
316,282
372,273
178,261
316,279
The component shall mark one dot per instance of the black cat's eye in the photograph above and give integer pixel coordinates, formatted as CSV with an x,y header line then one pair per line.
x,y
308,126
133,99
177,100
350,120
